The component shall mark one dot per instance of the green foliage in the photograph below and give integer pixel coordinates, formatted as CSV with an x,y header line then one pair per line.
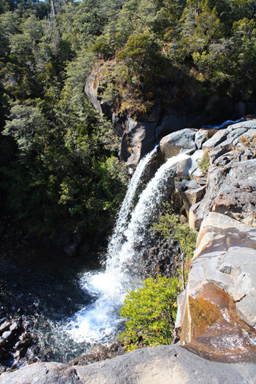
x,y
150,312
168,226
204,162
63,153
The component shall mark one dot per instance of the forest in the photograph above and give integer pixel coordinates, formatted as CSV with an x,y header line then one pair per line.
x,y
58,156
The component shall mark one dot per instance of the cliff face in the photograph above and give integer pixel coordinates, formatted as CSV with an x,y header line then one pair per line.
x,y
217,311
174,106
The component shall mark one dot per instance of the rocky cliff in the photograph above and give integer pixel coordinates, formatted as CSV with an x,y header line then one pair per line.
x,y
215,188
174,107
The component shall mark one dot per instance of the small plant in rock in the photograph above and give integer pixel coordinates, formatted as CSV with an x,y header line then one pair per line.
x,y
169,226
205,161
150,312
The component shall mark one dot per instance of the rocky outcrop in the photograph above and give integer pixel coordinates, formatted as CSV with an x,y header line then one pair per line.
x,y
13,339
216,315
173,108
231,182
218,310
231,190
91,89
163,364
136,141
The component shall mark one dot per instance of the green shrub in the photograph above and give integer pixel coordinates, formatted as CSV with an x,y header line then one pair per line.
x,y
151,312
168,226
205,162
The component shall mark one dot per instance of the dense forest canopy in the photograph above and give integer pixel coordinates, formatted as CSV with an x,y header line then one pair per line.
x,y
59,157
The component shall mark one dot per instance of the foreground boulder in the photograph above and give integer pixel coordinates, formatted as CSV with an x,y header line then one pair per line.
x,y
160,365
217,312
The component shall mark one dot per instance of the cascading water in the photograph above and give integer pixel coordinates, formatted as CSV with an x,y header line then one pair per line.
x,y
100,321
122,218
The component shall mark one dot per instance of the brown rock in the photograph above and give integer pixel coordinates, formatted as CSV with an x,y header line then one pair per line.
x,y
217,311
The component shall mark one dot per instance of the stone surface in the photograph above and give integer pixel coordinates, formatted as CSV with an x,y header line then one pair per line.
x,y
218,313
91,89
189,192
244,124
231,190
172,144
216,139
160,365
136,142
202,135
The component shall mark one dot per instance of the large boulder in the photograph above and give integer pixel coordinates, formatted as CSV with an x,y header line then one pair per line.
x,y
172,144
163,364
217,313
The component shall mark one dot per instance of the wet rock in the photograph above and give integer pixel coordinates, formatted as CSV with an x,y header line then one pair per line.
x,y
98,353
25,341
15,327
218,310
161,256
20,353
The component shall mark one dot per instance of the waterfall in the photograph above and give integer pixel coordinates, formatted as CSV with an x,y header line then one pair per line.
x,y
100,321
122,218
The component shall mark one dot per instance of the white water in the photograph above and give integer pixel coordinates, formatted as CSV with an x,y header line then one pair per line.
x,y
122,218
99,322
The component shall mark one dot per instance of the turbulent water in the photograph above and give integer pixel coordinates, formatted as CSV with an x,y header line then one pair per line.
x,y
99,322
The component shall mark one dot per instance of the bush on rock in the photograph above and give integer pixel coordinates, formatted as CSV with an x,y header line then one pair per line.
x,y
151,313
